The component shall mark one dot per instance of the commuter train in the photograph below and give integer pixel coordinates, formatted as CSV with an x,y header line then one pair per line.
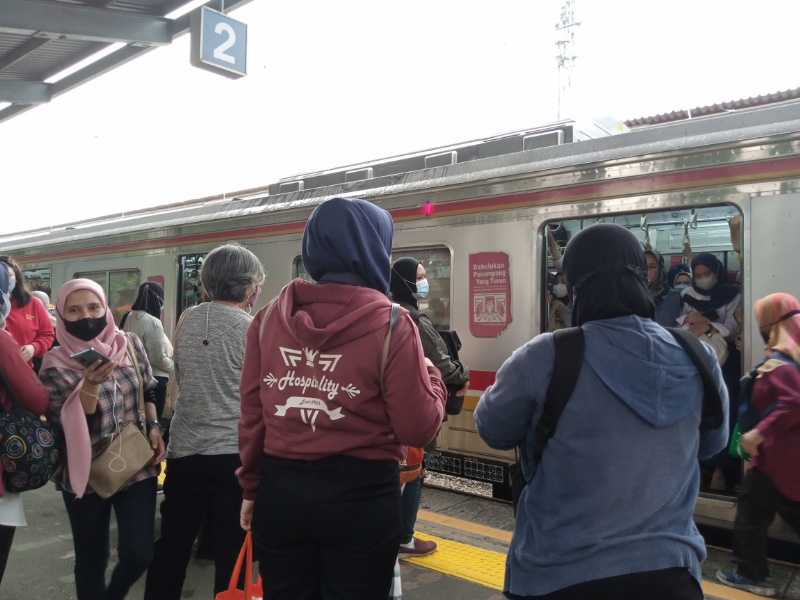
x,y
477,214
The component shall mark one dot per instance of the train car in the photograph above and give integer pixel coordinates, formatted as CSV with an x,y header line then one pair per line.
x,y
477,215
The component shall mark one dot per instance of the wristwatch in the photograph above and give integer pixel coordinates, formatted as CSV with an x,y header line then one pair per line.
x,y
153,423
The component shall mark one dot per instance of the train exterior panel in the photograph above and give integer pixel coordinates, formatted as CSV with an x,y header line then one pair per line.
x,y
481,226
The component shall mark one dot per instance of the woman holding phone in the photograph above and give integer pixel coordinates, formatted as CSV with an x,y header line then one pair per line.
x,y
87,402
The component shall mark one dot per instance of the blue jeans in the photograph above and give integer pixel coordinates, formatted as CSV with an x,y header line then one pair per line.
x,y
90,518
412,494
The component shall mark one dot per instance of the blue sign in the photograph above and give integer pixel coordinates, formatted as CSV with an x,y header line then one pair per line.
x,y
219,43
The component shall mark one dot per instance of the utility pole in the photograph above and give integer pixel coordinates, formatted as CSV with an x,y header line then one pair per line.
x,y
566,57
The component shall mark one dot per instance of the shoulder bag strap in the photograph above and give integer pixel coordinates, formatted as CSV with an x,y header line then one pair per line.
x,y
395,315
135,363
566,368
711,415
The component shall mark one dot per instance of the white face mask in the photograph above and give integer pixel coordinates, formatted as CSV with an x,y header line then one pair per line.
x,y
705,283
560,290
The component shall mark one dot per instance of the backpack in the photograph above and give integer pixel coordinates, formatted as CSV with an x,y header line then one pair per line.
x,y
569,345
452,342
749,415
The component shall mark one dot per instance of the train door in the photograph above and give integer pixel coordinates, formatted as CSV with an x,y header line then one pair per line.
x,y
189,283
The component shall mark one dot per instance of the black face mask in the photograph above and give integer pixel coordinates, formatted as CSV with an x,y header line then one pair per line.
x,y
86,329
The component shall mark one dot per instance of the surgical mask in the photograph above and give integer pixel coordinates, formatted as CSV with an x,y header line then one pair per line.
x,y
253,298
560,290
422,289
705,283
6,307
681,286
12,283
86,329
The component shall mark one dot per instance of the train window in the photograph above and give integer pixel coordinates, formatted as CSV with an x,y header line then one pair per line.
x,y
675,234
189,281
38,279
300,271
120,287
438,264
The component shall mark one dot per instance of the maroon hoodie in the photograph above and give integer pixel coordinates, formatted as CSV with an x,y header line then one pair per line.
x,y
311,384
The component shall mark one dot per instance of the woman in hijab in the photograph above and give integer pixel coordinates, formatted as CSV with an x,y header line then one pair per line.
x,y
646,544
408,284
711,295
712,302
667,301
33,396
144,320
332,392
87,404
772,438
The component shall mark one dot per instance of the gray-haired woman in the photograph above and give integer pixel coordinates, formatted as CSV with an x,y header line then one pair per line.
x,y
203,455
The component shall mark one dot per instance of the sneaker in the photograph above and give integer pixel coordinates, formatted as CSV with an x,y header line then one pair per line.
x,y
417,547
735,580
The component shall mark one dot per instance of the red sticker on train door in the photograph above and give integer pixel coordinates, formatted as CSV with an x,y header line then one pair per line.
x,y
489,294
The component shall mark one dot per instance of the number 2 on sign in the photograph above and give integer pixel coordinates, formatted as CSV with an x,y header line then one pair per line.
x,y
219,51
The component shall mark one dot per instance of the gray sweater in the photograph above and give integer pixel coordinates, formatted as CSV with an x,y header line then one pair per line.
x,y
208,406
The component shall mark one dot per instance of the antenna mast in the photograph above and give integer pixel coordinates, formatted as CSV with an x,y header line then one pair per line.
x,y
566,57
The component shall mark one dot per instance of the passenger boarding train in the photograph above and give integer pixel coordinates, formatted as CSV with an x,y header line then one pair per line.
x,y
476,214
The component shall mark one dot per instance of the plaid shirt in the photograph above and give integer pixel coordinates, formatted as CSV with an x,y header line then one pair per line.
x,y
118,401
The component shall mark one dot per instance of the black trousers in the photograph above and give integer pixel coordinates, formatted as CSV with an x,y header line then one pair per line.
x,y
664,584
759,502
193,486
6,538
327,529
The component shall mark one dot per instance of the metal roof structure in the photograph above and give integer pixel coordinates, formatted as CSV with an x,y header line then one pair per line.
x,y
43,41
715,109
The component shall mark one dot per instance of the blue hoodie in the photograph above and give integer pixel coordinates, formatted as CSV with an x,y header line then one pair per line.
x,y
617,484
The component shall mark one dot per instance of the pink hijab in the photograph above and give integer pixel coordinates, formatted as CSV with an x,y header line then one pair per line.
x,y
784,333
113,343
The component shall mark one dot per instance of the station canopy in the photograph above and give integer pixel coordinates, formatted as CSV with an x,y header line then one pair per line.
x,y
48,47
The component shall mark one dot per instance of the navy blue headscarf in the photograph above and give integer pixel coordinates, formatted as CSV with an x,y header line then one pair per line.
x,y
349,241
606,274
719,295
674,270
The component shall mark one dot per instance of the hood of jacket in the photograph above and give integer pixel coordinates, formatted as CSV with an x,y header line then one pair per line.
x,y
641,363
326,315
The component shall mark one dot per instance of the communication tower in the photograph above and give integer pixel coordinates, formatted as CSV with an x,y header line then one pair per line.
x,y
566,57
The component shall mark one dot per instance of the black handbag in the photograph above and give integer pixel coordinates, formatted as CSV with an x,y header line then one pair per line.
x,y
29,447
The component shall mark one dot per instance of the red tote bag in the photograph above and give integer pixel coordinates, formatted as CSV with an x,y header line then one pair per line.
x,y
251,591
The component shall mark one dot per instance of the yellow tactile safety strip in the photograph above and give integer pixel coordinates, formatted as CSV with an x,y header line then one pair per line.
x,y
487,567
163,473
464,561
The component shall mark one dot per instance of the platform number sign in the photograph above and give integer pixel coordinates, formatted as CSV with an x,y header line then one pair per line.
x,y
219,43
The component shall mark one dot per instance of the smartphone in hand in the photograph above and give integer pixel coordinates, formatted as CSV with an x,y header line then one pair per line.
x,y
89,356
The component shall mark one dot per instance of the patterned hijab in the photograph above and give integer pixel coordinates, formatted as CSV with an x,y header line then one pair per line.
x,y
781,312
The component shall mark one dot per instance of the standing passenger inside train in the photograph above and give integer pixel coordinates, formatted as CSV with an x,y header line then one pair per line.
x,y
666,300
331,395
144,320
87,404
29,321
772,438
608,511
713,301
408,284
203,456
30,392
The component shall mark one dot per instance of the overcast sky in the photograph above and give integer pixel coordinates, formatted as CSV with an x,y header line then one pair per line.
x,y
336,82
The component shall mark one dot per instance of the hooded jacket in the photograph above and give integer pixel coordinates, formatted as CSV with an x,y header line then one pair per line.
x,y
311,384
617,484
